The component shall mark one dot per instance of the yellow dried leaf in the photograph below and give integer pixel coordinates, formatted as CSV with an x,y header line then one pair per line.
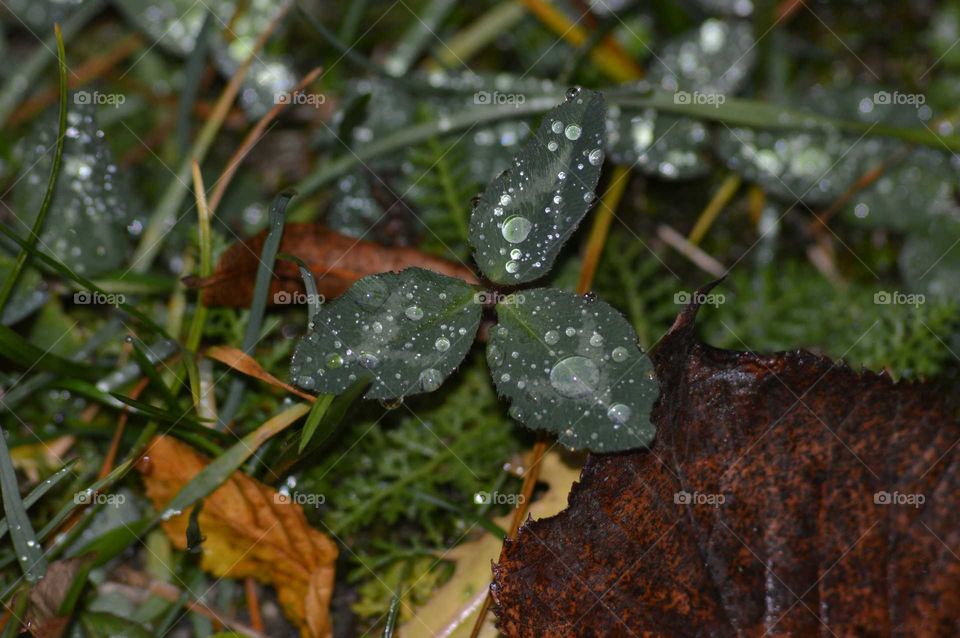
x,y
249,531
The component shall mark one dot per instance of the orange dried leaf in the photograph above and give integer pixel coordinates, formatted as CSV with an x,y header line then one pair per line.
x,y
249,530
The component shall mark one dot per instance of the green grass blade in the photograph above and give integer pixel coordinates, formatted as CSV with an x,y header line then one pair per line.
x,y
24,354
313,419
54,266
309,285
22,256
29,551
258,306
38,492
149,369
767,115
219,470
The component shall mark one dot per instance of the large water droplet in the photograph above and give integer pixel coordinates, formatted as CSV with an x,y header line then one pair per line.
x,y
596,339
575,377
557,126
442,344
371,293
368,360
552,146
334,361
512,267
619,354
430,379
516,253
515,229
551,337
415,313
619,413
573,132
595,157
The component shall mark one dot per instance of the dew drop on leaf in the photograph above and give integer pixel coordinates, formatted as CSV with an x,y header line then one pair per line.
x,y
516,229
575,376
430,379
368,360
619,413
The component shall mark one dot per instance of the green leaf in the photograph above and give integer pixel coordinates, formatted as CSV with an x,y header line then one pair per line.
x,y
527,213
406,331
89,193
572,366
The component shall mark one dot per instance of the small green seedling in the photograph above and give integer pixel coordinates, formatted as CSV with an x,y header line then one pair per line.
x,y
568,364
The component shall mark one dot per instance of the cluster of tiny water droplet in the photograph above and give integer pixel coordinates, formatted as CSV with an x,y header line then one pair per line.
x,y
91,221
405,331
585,369
524,216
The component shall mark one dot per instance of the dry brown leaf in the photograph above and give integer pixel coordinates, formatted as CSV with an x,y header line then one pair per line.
x,y
242,362
335,260
249,531
43,618
786,495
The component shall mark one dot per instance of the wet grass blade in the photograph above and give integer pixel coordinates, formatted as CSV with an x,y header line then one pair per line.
x,y
38,492
205,241
149,369
289,456
192,75
54,266
317,411
258,307
309,285
24,354
767,115
74,503
34,236
29,551
393,614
